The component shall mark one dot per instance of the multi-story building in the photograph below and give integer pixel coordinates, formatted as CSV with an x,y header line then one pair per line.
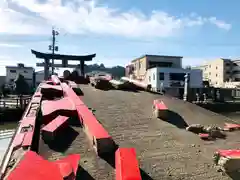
x,y
162,71
13,71
142,64
220,71
236,70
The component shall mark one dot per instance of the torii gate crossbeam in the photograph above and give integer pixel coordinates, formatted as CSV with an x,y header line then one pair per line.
x,y
65,58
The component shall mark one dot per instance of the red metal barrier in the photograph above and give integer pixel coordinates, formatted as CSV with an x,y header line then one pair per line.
x,y
27,124
23,136
228,160
51,90
158,104
34,167
49,82
71,94
18,139
50,130
55,80
126,164
231,127
51,109
98,136
160,109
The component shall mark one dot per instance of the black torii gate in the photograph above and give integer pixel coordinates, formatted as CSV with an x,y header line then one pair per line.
x,y
65,58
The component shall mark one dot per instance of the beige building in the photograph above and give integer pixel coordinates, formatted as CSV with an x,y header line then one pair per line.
x,y
162,72
142,64
219,71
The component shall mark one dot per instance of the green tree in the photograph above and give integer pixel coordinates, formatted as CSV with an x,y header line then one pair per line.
x,y
22,86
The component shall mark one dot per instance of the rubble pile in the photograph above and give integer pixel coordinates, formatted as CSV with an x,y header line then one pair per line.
x,y
208,132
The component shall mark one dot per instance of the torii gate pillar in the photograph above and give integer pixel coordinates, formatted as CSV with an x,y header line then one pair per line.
x,y
46,69
82,67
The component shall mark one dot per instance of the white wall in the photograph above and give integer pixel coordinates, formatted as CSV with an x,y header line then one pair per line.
x,y
152,77
195,77
26,72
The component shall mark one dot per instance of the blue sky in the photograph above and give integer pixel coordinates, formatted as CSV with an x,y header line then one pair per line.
x,y
118,31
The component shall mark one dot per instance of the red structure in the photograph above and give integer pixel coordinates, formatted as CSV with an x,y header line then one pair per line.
x,y
33,166
124,169
54,119
65,58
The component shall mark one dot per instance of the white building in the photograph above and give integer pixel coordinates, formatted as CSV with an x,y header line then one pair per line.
x,y
165,71
173,78
13,71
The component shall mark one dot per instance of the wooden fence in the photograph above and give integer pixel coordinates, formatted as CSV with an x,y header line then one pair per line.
x,y
14,102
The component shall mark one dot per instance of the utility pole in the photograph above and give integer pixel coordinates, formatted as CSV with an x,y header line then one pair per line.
x,y
52,47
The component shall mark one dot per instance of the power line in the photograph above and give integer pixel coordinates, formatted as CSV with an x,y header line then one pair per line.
x,y
53,47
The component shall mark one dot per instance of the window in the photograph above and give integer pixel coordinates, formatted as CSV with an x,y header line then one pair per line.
x,y
149,78
159,64
25,72
209,66
12,71
177,76
236,72
216,75
139,65
209,73
153,76
216,67
161,76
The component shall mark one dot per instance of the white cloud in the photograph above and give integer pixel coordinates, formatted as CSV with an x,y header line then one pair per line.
x,y
4,57
220,24
79,16
10,45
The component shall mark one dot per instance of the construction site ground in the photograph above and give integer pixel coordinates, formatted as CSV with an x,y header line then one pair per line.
x,y
165,150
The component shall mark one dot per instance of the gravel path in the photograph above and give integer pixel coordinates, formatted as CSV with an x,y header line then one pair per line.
x,y
164,150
